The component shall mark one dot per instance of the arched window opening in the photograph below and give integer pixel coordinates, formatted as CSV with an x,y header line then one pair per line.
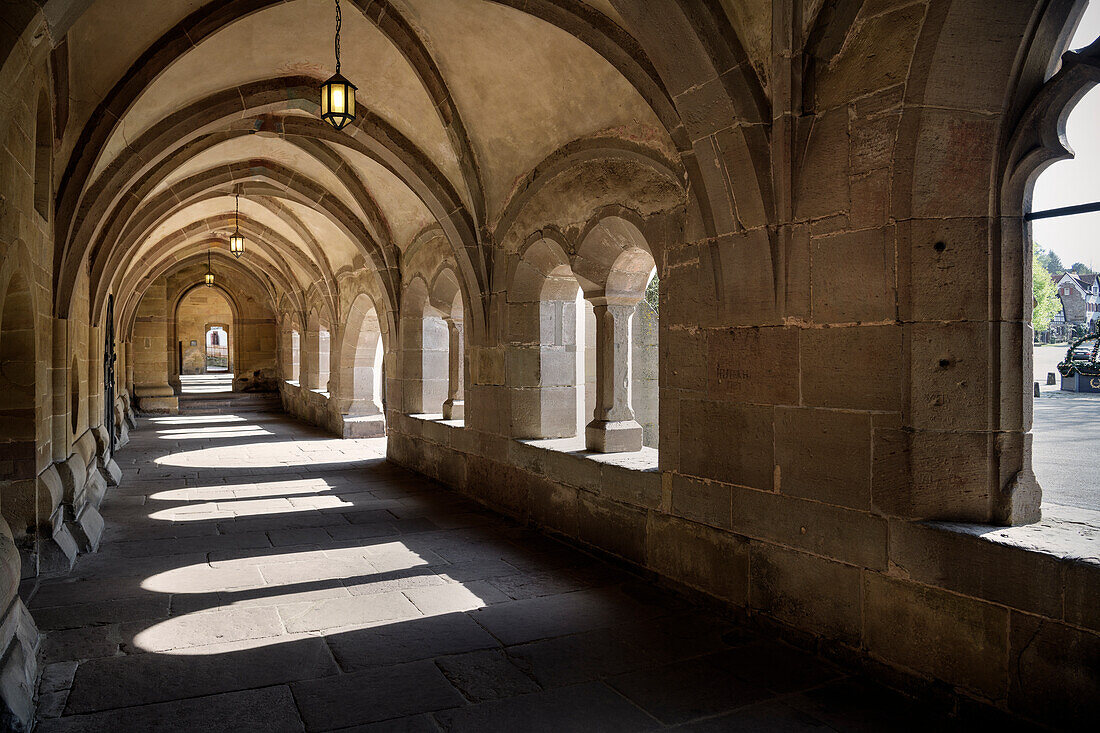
x,y
545,363
17,381
356,383
324,345
359,382
295,356
434,356
446,300
643,362
1064,216
614,261
43,157
425,351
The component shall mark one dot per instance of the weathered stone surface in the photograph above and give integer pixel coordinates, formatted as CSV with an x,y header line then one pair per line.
x,y
751,364
829,193
971,637
849,536
805,591
1038,650
852,278
743,454
271,708
855,368
824,455
1029,581
699,556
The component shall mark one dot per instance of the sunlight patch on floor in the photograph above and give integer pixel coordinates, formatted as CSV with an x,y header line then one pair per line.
x,y
195,419
259,455
274,598
244,431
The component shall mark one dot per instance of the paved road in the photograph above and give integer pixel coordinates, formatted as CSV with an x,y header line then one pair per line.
x,y
1066,451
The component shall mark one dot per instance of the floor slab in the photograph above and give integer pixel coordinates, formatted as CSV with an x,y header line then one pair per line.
x,y
273,578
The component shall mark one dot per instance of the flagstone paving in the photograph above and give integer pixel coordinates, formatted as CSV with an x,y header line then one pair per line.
x,y
257,575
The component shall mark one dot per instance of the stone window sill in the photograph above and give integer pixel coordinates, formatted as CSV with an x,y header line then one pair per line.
x,y
1066,533
642,460
438,418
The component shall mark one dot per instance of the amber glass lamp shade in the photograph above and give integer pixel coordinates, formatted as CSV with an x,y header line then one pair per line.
x,y
236,244
338,101
209,279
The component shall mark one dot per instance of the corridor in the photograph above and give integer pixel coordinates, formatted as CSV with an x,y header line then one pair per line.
x,y
258,575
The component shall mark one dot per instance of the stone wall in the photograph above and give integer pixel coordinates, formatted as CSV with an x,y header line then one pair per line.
x,y
844,358
1002,616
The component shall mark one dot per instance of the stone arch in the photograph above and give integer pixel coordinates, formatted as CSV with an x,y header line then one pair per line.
x,y
424,351
292,370
614,263
965,210
358,386
613,258
544,361
270,255
446,297
196,362
43,156
1037,141
370,136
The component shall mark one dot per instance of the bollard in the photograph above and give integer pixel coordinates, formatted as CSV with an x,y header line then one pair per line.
x,y
1051,379
1036,389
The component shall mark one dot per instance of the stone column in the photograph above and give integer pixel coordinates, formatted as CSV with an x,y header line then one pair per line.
x,y
613,428
309,359
455,406
150,352
59,382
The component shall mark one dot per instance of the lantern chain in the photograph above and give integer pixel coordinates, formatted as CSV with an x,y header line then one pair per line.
x,y
339,20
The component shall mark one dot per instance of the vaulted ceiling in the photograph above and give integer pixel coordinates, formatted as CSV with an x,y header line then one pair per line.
x,y
178,105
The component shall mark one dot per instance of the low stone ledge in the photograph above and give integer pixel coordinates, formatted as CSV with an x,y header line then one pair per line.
x,y
1009,600
628,478
1050,568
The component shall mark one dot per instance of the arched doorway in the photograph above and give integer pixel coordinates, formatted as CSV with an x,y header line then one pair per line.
x,y
204,332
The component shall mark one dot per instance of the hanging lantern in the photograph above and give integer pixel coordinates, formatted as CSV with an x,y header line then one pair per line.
x,y
209,278
338,94
236,241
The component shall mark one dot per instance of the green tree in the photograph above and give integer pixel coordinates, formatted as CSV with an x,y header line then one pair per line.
x,y
1050,260
651,293
1045,294
1081,268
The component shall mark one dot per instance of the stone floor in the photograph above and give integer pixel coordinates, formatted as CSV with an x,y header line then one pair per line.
x,y
206,383
257,575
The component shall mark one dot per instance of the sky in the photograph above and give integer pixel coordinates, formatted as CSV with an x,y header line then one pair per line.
x,y
1077,181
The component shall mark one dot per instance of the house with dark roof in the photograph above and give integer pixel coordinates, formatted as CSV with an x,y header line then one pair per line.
x,y
1080,298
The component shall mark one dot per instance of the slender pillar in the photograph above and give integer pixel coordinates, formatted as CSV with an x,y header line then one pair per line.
x,y
613,428
454,408
151,366
310,359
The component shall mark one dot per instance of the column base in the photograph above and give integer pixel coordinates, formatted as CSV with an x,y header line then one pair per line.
x,y
454,410
605,436
362,426
159,405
